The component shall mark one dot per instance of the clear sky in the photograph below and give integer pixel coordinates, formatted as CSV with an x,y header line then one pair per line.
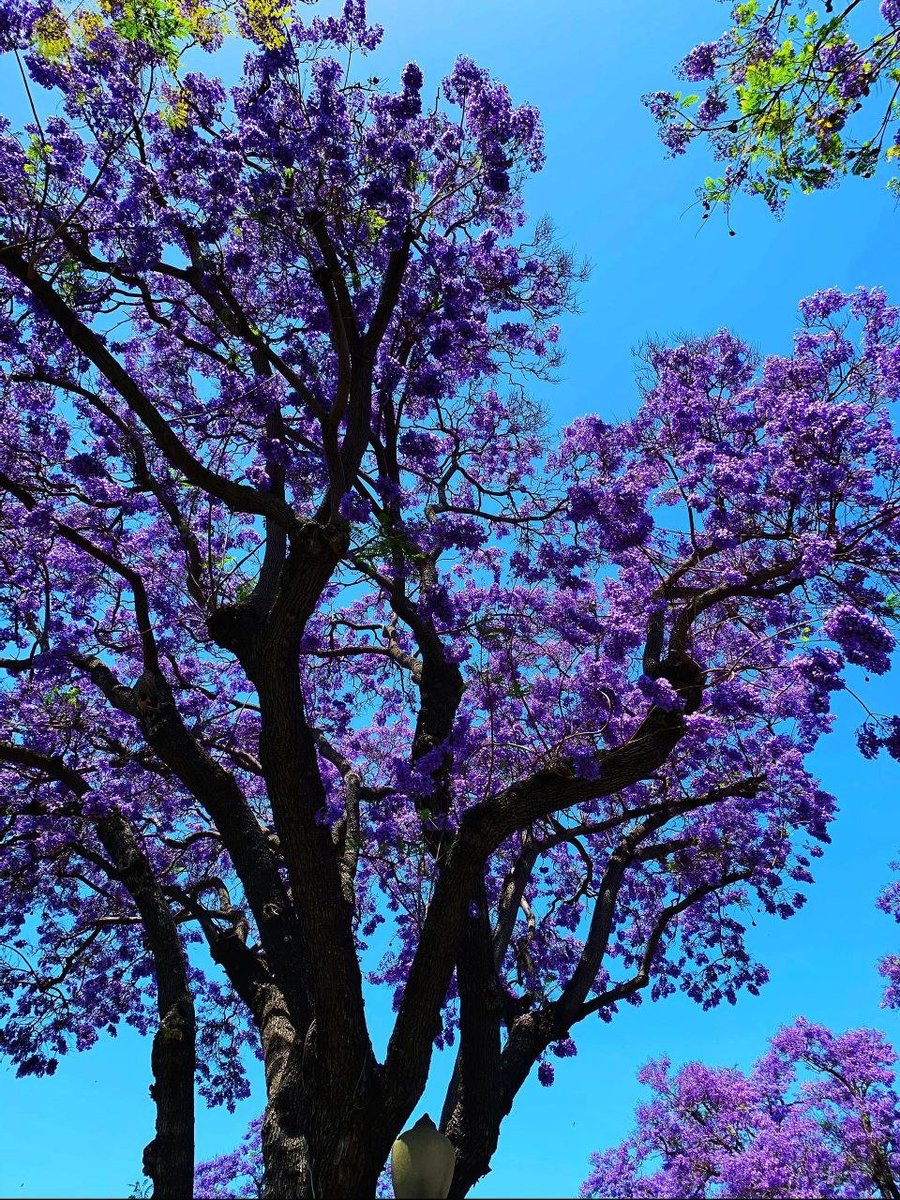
x,y
656,272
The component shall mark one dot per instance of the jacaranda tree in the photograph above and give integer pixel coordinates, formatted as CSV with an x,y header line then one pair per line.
x,y
818,1115
326,659
795,96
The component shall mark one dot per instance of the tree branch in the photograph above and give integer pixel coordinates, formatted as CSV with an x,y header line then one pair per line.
x,y
169,1158
152,704
238,497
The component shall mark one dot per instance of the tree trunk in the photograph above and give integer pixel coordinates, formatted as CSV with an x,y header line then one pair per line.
x,y
475,1131
285,1159
882,1175
346,1168
473,1108
169,1158
343,1164
285,1152
319,1134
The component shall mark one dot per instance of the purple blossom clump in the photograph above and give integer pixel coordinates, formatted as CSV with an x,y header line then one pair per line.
x,y
711,108
889,966
868,741
817,1115
235,1175
877,734
863,639
700,63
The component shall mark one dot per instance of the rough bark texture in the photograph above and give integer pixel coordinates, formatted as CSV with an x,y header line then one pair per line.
x,y
472,1111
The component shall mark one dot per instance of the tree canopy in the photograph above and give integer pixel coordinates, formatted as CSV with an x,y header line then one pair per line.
x,y
818,1115
327,660
793,97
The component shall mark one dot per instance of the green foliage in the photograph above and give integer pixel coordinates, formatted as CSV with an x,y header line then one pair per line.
x,y
388,544
166,26
791,103
36,155
69,696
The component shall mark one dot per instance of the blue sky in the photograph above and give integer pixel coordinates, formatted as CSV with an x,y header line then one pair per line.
x,y
656,272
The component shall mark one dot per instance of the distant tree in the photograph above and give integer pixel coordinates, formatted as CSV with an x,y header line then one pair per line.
x,y
240,1172
312,631
818,1115
889,966
781,90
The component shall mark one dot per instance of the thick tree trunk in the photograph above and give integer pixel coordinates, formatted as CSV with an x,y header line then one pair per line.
x,y
475,1131
285,1159
169,1158
883,1176
319,1134
343,1162
473,1108
285,1153
346,1167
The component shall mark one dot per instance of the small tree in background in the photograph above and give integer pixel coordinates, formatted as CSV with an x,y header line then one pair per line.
x,y
238,1173
817,1115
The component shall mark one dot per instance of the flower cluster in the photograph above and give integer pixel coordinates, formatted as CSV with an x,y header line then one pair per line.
x,y
816,1116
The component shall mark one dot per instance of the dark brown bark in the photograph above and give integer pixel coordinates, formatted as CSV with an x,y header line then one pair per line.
x,y
440,691
169,1157
285,1152
285,1155
317,1130
321,1072
883,1177
288,754
530,1034
879,1166
528,1037
297,793
472,1111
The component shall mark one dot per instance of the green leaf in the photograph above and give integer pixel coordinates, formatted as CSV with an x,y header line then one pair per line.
x,y
744,13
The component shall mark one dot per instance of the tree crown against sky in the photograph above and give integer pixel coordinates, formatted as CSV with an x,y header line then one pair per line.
x,y
817,1115
324,657
794,97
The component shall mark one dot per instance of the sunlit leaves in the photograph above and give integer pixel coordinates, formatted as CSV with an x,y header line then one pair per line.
x,y
790,104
